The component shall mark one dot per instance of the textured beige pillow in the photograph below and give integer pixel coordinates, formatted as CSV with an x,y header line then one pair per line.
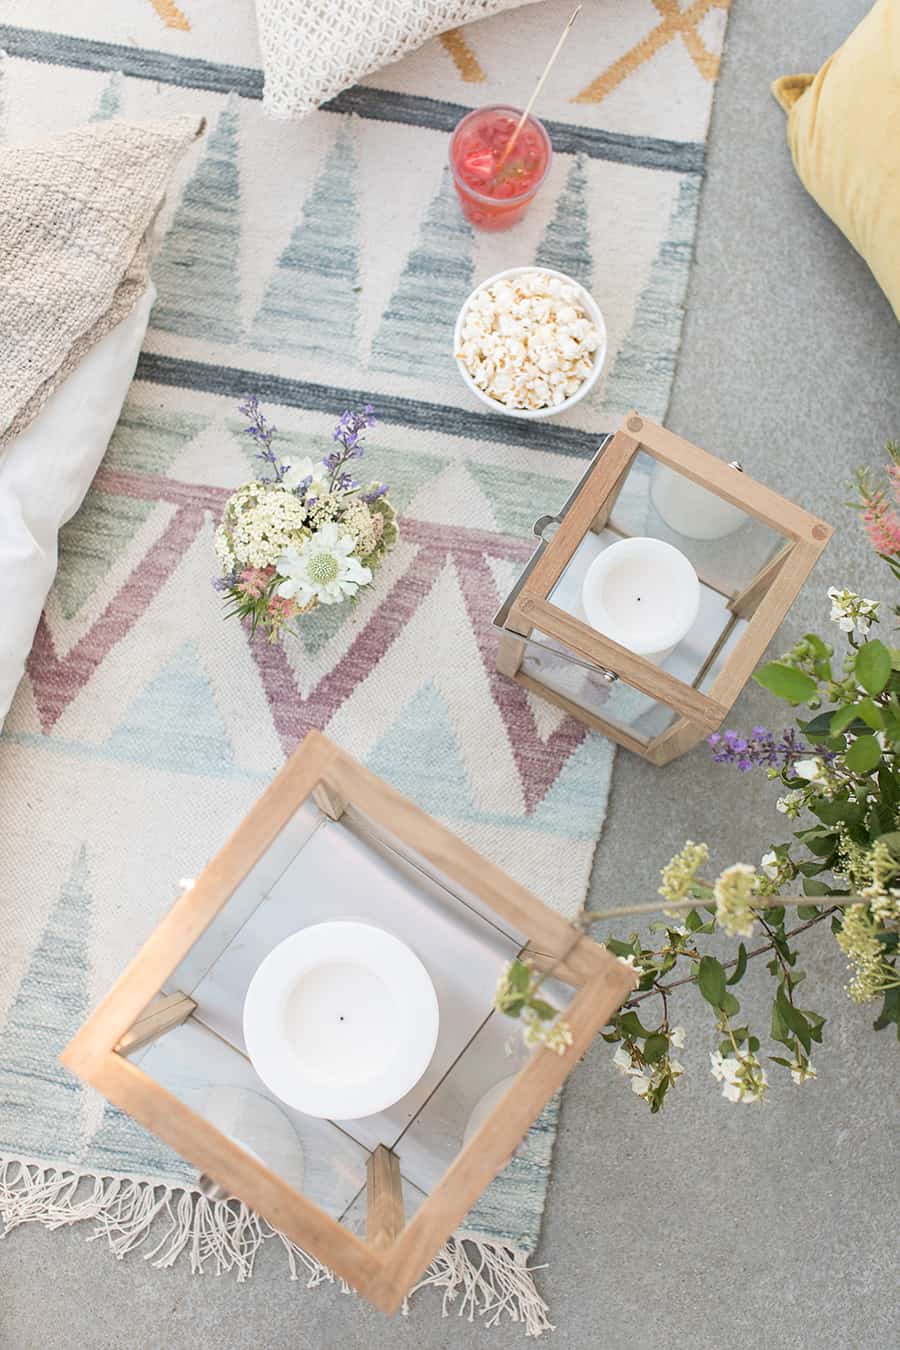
x,y
312,49
76,215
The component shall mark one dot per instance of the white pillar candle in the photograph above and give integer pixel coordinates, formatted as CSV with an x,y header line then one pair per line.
x,y
341,1020
690,509
643,594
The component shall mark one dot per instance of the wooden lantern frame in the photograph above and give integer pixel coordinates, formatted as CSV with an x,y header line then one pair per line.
x,y
763,603
385,1266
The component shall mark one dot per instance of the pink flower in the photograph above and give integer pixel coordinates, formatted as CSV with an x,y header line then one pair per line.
x,y
882,525
281,609
254,581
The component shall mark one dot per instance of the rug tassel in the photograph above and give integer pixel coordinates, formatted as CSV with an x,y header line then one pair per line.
x,y
485,1279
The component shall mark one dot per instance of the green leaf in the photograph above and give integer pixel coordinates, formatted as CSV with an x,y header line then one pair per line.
x,y
817,726
514,1007
630,1023
786,682
730,1004
655,1047
890,1011
841,720
840,810
711,980
812,886
518,977
863,755
892,841
692,921
753,1044
740,967
545,1011
871,714
794,1019
873,666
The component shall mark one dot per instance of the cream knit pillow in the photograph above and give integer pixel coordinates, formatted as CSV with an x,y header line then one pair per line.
x,y
312,49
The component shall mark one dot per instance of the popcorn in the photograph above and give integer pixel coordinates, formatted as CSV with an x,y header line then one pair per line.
x,y
527,341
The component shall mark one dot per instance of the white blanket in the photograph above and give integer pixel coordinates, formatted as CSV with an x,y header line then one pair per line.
x,y
44,475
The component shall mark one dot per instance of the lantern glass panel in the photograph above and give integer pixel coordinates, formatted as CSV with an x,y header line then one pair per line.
x,y
551,664
726,545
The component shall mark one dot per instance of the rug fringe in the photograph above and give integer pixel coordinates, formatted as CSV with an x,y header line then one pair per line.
x,y
490,1280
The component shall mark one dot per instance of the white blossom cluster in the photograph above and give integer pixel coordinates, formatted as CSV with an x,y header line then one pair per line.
x,y
527,341
259,523
851,611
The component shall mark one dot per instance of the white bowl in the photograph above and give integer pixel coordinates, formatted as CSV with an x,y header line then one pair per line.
x,y
590,307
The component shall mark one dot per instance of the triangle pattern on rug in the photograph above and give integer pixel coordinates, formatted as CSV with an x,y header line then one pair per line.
x,y
91,542
311,304
416,333
197,272
419,756
517,497
122,1145
149,439
566,245
109,104
39,1100
645,363
174,723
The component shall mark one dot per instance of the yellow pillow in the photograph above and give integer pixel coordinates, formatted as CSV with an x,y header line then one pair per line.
x,y
844,132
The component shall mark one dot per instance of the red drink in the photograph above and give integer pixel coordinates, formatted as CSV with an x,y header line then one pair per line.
x,y
494,195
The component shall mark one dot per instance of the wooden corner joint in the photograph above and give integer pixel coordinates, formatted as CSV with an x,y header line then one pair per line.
x,y
384,1198
165,1012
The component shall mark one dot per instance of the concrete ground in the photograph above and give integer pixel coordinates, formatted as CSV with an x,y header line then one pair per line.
x,y
711,1224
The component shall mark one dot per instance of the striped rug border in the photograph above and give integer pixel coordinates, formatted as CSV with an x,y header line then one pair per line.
x,y
235,382
380,105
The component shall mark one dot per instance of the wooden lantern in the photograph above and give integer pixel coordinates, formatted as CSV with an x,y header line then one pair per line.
x,y
749,578
148,1009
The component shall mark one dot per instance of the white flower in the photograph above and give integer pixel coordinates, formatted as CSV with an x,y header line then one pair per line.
x,y
851,611
297,470
640,1084
622,1059
734,892
722,1068
743,1080
676,1037
769,864
790,803
813,770
628,961
322,568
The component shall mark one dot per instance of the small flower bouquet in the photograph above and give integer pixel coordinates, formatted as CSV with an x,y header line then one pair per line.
x,y
302,533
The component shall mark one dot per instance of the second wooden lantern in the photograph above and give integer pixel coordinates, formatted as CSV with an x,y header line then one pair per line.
x,y
655,591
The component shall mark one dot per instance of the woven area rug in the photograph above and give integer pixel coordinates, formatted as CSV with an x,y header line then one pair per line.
x,y
320,265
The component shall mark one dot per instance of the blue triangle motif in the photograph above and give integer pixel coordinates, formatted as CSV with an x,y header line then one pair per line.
x,y
122,1145
416,333
197,271
109,104
566,243
311,304
644,367
40,1102
174,724
420,756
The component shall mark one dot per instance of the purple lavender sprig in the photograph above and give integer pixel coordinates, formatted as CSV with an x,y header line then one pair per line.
x,y
349,436
760,748
262,431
